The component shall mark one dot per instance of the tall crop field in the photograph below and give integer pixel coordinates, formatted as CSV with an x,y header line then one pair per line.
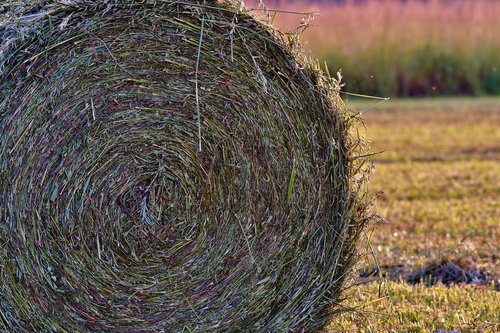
x,y
403,48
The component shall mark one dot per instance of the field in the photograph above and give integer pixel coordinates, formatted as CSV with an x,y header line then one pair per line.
x,y
440,174
398,48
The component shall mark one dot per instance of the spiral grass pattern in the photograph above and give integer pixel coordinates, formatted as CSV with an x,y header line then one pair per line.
x,y
169,166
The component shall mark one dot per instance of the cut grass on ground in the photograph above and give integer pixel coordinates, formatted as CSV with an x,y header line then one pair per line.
x,y
400,307
440,174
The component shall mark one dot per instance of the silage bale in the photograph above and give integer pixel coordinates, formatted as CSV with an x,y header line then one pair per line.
x,y
169,166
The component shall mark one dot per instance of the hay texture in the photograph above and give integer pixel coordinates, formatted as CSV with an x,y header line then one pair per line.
x,y
169,166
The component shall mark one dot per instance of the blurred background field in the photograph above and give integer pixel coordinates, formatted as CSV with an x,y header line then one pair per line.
x,y
433,265
402,48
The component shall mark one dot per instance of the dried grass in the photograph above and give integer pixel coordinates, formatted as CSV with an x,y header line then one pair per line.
x,y
170,166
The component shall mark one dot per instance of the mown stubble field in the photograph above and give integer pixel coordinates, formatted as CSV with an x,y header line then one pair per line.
x,y
440,176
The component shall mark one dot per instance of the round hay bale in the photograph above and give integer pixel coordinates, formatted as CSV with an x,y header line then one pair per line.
x,y
169,166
